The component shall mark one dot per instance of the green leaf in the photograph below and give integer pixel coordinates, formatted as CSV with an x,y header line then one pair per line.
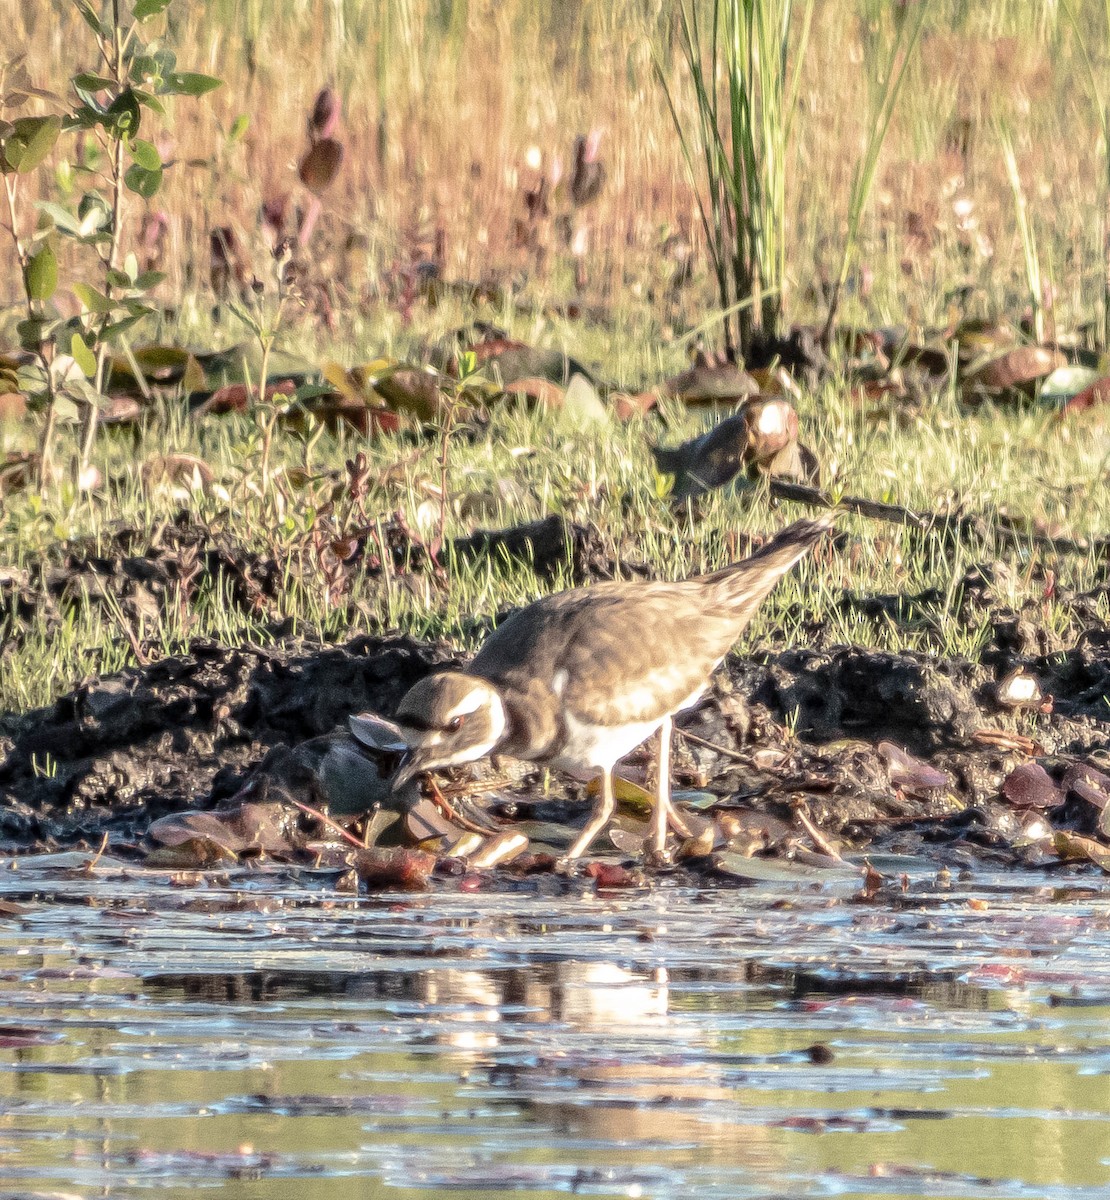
x,y
93,300
145,9
247,318
64,220
91,19
148,279
42,273
32,332
82,355
189,83
149,100
145,154
85,116
88,82
125,113
118,279
141,181
94,213
239,127
122,325
31,140
91,103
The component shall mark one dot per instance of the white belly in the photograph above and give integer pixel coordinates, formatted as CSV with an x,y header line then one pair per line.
x,y
590,748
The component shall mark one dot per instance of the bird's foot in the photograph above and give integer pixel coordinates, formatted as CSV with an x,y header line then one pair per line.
x,y
658,856
569,865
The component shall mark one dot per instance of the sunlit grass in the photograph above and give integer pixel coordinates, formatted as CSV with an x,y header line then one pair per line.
x,y
442,103
525,466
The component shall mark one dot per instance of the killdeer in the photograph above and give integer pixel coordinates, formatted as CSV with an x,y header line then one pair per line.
x,y
578,679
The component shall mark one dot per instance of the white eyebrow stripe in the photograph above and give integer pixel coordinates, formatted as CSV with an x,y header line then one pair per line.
x,y
470,703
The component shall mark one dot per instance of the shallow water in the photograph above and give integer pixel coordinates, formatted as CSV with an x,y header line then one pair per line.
x,y
253,1036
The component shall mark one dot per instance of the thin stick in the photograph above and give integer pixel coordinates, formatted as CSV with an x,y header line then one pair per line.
x,y
735,755
1001,530
444,805
325,820
90,866
816,836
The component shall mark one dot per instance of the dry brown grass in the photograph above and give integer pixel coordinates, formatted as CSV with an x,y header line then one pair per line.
x,y
442,103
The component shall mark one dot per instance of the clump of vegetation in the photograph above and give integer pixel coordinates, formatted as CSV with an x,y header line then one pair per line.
x,y
300,342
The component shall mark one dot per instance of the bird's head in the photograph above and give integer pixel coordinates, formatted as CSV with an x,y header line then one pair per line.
x,y
444,719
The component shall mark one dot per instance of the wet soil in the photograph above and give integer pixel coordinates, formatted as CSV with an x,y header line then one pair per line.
x,y
880,750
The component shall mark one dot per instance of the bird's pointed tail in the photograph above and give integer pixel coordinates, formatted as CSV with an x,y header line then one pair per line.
x,y
743,585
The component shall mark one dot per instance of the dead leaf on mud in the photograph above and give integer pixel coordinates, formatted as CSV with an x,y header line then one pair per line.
x,y
1088,783
1019,689
236,397
910,773
761,438
1031,786
1072,847
1092,396
1019,368
710,380
402,868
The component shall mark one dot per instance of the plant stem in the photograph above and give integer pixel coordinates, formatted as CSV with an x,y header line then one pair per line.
x,y
91,415
444,470
46,442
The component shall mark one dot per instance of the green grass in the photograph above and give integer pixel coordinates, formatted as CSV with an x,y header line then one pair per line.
x,y
940,220
524,466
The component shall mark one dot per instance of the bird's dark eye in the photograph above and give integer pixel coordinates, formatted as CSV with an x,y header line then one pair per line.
x,y
454,724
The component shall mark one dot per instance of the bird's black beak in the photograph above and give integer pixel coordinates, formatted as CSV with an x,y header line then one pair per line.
x,y
413,764
386,737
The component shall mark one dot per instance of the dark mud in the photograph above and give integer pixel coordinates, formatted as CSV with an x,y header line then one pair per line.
x,y
225,725
878,750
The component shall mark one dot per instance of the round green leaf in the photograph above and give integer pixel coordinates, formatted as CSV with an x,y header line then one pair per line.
x,y
145,154
31,140
42,273
145,183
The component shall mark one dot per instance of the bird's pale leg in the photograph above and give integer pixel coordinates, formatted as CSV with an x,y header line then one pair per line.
x,y
665,811
603,810
662,790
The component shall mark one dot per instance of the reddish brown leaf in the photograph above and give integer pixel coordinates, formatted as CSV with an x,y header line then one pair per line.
x,y
320,166
1031,786
398,867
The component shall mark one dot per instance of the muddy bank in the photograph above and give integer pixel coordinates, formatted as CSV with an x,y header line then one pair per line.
x,y
879,750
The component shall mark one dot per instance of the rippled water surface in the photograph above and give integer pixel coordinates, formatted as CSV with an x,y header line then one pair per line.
x,y
250,1036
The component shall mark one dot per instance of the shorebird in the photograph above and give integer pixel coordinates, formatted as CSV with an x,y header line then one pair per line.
x,y
577,679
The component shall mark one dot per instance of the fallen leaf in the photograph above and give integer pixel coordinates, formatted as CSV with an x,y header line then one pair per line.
x,y
1031,786
399,867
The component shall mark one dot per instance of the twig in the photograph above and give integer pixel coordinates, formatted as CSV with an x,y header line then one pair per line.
x,y
735,755
90,866
325,820
816,836
1000,529
444,805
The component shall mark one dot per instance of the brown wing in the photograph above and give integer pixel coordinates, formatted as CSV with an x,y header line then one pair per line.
x,y
620,652
613,652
